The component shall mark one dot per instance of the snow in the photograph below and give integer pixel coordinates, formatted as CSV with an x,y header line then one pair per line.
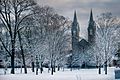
x,y
81,74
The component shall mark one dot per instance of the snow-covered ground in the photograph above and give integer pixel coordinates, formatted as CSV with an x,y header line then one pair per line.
x,y
82,74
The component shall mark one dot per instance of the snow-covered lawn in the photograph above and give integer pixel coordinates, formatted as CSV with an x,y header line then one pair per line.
x,y
82,74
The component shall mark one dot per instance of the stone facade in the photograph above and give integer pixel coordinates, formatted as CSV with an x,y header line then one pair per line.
x,y
80,46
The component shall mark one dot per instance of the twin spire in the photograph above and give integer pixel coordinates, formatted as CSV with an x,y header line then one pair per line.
x,y
75,16
91,16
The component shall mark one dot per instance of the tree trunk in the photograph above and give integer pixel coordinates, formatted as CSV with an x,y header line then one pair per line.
x,y
54,67
63,68
12,64
70,67
41,68
37,66
13,57
58,68
99,69
25,68
106,67
36,70
21,68
33,66
22,53
52,70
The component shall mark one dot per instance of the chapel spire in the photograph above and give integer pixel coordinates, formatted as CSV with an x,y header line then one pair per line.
x,y
75,17
91,16
91,29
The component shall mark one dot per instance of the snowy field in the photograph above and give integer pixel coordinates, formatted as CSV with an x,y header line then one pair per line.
x,y
82,74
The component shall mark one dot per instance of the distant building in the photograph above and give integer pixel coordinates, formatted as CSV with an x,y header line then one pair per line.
x,y
81,45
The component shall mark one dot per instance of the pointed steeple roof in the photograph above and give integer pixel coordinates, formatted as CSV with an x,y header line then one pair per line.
x,y
91,16
75,17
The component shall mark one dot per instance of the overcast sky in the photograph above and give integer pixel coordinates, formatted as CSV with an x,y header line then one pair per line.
x,y
83,7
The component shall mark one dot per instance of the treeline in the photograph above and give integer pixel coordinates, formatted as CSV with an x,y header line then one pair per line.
x,y
32,33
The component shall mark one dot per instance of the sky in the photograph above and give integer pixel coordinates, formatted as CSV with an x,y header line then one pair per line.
x,y
83,7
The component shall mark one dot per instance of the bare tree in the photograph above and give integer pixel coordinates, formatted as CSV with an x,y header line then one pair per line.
x,y
106,38
58,45
12,13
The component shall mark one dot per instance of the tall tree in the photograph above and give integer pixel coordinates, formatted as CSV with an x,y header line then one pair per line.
x,y
12,13
106,38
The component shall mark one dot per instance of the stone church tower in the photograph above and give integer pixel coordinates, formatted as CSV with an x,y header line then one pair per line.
x,y
79,47
91,29
75,33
